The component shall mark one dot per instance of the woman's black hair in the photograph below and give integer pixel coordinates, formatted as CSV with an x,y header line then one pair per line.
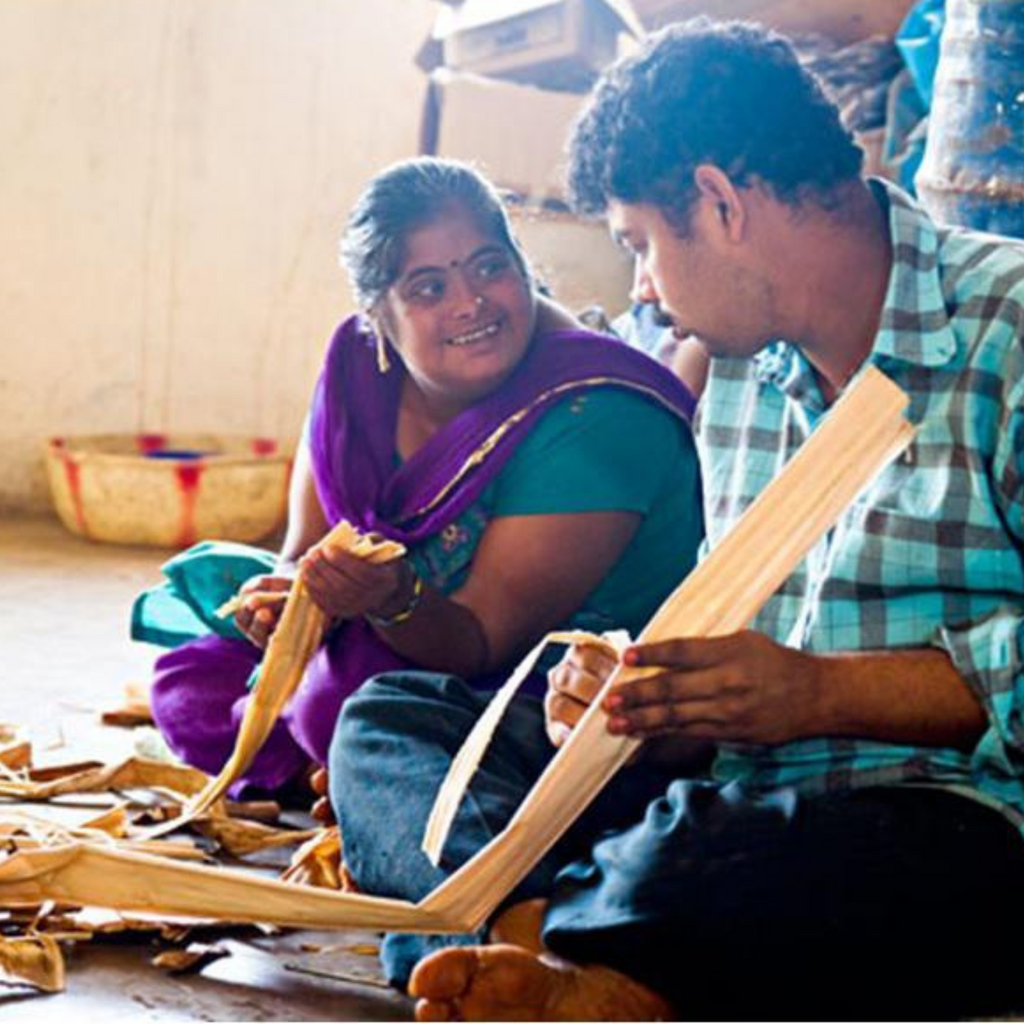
x,y
408,196
732,94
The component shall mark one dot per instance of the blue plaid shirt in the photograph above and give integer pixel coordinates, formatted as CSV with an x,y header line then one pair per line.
x,y
932,554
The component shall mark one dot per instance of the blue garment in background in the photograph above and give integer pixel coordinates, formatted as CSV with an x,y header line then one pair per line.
x,y
907,131
918,42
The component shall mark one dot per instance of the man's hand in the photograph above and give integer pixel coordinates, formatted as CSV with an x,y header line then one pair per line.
x,y
739,688
572,685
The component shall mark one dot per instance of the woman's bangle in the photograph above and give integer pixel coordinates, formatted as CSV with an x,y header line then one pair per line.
x,y
403,614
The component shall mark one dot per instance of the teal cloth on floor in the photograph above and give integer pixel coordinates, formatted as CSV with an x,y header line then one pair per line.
x,y
199,581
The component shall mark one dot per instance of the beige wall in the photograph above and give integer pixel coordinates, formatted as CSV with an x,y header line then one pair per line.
x,y
173,176
844,20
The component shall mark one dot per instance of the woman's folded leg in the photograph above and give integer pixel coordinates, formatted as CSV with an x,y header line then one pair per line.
x,y
198,698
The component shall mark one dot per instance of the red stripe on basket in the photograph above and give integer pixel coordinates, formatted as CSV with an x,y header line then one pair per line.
x,y
73,474
146,443
188,477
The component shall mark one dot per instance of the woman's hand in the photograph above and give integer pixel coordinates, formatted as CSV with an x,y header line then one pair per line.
x,y
262,604
572,686
345,586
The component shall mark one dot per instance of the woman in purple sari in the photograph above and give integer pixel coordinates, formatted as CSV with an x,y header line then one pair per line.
x,y
539,476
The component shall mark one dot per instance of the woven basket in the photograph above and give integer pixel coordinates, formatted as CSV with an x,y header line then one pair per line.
x,y
168,490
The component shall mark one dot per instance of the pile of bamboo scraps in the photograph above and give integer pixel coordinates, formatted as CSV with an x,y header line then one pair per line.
x,y
153,799
108,807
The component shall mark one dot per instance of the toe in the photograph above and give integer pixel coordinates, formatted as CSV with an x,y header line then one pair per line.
x,y
444,975
429,1009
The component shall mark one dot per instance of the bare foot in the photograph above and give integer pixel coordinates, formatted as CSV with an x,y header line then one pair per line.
x,y
510,983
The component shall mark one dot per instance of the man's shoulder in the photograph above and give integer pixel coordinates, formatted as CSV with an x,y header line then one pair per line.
x,y
974,264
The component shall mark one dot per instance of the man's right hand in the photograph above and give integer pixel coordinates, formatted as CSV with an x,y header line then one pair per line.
x,y
262,604
572,686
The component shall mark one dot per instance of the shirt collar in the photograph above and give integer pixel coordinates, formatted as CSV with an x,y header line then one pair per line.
x,y
915,325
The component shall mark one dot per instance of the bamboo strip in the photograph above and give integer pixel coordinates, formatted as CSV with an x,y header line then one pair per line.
x,y
861,434
24,831
95,875
136,772
468,759
34,960
292,644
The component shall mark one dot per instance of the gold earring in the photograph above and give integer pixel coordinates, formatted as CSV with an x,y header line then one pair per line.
x,y
383,363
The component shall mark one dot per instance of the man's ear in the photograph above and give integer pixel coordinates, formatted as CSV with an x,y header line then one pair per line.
x,y
716,188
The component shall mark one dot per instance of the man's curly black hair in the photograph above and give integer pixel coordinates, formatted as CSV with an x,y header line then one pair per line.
x,y
731,94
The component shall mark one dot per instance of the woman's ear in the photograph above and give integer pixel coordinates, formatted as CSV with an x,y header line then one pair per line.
x,y
716,188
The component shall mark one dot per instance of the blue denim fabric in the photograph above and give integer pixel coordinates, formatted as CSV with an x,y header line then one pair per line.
x,y
395,741
394,744
884,903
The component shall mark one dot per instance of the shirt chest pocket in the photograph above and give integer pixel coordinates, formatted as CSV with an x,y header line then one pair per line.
x,y
921,525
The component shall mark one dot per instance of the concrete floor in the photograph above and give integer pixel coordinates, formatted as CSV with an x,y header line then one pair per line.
x,y
65,655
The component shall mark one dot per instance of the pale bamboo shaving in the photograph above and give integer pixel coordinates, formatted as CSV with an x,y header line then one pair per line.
x,y
191,960
291,645
114,822
34,960
317,862
466,762
15,757
134,709
26,831
241,838
862,433
134,773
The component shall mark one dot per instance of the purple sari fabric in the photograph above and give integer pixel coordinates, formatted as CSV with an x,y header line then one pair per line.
x,y
200,688
355,414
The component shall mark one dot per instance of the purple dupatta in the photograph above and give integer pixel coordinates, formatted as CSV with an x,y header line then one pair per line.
x,y
355,415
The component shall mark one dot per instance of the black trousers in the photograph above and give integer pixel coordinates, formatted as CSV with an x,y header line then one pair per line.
x,y
882,903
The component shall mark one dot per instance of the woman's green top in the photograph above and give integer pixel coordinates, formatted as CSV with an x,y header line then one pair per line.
x,y
608,449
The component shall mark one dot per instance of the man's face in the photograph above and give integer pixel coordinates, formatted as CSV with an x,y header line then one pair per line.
x,y
703,282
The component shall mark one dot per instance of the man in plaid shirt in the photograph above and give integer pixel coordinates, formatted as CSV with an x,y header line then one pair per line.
x,y
839,833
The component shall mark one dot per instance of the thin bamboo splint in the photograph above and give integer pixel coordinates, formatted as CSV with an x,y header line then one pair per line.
x,y
862,433
292,644
137,772
468,759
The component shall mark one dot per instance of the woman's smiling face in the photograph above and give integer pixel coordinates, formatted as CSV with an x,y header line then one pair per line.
x,y
461,312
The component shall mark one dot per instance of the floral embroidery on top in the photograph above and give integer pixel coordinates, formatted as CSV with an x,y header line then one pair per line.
x,y
453,535
444,559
